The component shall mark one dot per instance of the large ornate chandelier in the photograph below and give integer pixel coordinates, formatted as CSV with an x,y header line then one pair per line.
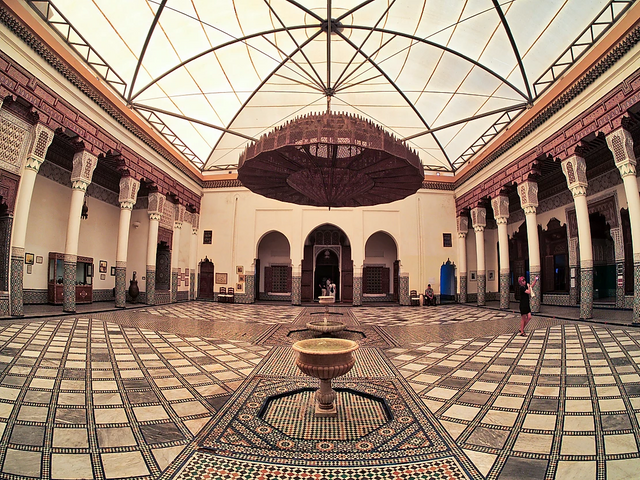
x,y
331,160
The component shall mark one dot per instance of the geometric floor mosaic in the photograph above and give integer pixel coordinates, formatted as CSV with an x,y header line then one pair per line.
x,y
177,391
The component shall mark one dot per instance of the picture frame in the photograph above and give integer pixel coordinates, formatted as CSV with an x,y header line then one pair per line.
x,y
103,266
113,271
29,269
239,269
239,287
103,276
472,276
221,278
29,258
39,259
241,278
491,275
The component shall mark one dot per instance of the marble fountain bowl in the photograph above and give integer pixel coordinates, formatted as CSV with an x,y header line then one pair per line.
x,y
326,359
325,326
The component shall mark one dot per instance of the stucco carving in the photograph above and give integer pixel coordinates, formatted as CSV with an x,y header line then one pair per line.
x,y
463,224
129,187
84,163
621,145
14,142
156,203
479,217
500,206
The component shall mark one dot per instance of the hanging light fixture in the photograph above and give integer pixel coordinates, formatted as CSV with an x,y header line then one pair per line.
x,y
331,160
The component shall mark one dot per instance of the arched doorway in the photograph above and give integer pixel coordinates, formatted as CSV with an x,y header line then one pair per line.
x,y
205,283
327,272
554,246
327,254
604,263
380,255
163,267
273,268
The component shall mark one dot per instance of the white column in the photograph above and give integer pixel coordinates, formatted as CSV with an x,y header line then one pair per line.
x,y
463,229
479,221
500,206
528,192
621,145
42,138
193,250
128,194
84,163
155,208
178,219
575,170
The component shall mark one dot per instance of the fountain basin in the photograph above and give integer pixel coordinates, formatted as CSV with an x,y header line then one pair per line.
x,y
326,359
325,326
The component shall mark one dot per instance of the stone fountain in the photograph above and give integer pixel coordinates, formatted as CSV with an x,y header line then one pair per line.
x,y
325,325
326,359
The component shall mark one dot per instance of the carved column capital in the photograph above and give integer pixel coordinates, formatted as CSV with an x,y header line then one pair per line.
x,y
620,143
529,210
178,216
42,138
156,204
155,216
479,218
462,234
463,225
84,163
129,187
528,193
502,220
575,171
500,206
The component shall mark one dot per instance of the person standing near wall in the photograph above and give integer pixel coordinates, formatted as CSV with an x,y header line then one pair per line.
x,y
525,306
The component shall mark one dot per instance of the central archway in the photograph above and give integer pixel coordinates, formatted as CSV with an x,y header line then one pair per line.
x,y
327,255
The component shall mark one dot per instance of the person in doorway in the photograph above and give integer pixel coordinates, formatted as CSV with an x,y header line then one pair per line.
x,y
429,296
525,305
331,289
323,287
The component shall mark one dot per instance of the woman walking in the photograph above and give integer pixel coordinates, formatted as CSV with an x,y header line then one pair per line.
x,y
525,307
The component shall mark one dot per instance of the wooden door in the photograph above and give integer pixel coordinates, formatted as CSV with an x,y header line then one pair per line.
x,y
163,268
347,275
396,280
205,285
307,274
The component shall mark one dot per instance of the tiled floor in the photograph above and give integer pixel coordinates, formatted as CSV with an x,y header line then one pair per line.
x,y
137,393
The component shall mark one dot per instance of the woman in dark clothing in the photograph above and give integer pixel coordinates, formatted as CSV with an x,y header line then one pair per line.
x,y
525,307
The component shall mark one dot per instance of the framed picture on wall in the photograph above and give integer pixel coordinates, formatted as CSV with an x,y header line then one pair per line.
x,y
102,276
491,275
39,259
472,276
239,269
239,287
103,266
221,278
29,258
113,271
241,278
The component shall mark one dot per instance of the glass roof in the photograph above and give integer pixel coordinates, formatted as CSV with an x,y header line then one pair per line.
x,y
445,75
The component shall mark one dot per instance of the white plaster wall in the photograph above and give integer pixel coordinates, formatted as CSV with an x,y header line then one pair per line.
x,y
47,230
239,219
137,252
46,227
